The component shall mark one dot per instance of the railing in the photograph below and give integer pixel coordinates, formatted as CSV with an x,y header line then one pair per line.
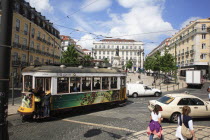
x,y
187,52
24,47
16,45
24,63
32,49
182,53
191,51
16,63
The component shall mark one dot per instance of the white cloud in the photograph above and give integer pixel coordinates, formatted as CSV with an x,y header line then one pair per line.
x,y
86,41
95,5
185,23
144,16
41,5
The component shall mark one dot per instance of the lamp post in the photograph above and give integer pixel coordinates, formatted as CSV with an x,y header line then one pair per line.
x,y
176,65
140,54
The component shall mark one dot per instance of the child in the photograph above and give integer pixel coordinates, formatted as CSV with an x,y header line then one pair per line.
x,y
154,127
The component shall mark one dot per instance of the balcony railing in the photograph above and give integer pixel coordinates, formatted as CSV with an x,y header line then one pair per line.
x,y
32,49
187,52
191,51
38,51
24,63
16,45
16,63
24,47
182,53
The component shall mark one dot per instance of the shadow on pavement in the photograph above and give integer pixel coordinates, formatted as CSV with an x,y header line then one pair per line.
x,y
94,132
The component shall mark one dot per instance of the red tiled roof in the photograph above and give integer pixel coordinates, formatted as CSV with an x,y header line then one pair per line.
x,y
85,50
63,37
119,40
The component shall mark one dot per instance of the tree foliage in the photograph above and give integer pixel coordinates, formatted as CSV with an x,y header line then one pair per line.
x,y
129,64
87,60
165,63
106,60
70,56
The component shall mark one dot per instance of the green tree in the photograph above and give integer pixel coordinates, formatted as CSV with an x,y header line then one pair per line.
x,y
106,60
129,64
167,63
87,60
148,64
70,56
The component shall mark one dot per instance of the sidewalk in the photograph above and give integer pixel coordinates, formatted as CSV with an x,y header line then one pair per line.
x,y
202,133
12,109
148,80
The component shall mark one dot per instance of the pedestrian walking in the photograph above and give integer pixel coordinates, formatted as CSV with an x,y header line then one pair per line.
x,y
46,104
185,125
154,127
208,90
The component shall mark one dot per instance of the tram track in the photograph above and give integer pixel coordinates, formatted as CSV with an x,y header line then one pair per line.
x,y
100,125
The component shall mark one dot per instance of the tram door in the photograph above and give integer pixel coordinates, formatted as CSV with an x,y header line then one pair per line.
x,y
43,82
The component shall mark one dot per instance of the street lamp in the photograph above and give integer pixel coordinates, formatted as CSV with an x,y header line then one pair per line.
x,y
140,53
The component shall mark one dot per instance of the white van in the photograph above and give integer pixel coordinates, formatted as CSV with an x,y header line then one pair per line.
x,y
136,90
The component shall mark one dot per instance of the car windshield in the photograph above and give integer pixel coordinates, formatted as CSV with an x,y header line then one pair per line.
x,y
165,99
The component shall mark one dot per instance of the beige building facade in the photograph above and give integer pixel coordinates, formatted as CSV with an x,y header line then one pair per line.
x,y
191,47
33,38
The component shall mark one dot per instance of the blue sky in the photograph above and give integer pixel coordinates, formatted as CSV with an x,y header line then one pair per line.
x,y
150,21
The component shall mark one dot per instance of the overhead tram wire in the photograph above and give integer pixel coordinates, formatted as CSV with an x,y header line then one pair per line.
x,y
76,11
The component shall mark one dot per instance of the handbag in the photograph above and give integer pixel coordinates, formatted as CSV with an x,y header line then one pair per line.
x,y
185,131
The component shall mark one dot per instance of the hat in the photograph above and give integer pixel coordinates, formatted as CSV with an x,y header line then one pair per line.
x,y
48,92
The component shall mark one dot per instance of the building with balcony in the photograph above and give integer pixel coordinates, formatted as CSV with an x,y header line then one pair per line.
x,y
128,50
33,38
161,48
66,41
191,47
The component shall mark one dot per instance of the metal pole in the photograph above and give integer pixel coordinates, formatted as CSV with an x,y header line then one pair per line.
x,y
29,41
12,75
176,65
5,53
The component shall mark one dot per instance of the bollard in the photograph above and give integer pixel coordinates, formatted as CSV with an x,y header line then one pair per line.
x,y
167,87
173,87
178,85
182,85
160,87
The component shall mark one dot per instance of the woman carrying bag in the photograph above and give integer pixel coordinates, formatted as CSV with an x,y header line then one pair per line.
x,y
185,125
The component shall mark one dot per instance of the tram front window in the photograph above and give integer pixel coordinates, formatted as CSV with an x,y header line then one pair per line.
x,y
75,84
27,83
63,84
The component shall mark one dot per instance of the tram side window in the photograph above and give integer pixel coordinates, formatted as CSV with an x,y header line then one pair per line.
x,y
27,83
63,84
122,81
40,83
86,84
105,83
75,84
96,83
113,82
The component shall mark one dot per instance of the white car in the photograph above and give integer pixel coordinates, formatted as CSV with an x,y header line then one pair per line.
x,y
136,89
172,106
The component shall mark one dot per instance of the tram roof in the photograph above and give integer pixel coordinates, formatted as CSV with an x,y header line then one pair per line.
x,y
58,69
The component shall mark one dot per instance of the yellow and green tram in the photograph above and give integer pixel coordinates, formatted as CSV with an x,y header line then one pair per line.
x,y
72,86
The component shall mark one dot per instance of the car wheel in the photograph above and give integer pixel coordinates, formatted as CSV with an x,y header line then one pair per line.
x,y
157,94
174,117
135,95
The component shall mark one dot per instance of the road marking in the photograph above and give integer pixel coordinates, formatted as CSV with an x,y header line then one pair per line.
x,y
100,125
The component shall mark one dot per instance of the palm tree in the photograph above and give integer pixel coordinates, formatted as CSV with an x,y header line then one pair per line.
x,y
87,60
70,56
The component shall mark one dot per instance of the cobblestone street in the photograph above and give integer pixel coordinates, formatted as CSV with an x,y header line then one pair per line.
x,y
102,122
